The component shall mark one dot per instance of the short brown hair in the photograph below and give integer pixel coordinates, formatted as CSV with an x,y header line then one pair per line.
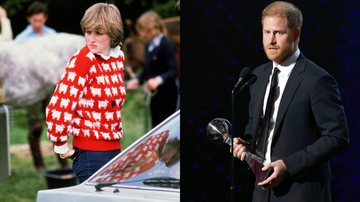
x,y
37,8
151,19
286,10
106,18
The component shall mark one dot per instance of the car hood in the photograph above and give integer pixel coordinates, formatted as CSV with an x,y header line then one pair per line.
x,y
89,194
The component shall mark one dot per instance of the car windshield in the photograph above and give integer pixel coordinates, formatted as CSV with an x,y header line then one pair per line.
x,y
152,161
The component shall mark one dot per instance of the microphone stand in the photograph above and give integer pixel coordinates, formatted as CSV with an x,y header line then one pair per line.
x,y
232,182
234,92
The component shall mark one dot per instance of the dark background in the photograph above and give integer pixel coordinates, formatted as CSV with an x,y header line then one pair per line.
x,y
221,37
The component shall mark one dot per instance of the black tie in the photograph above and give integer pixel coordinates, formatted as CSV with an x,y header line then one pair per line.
x,y
267,123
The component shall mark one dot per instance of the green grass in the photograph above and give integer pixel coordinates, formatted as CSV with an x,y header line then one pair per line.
x,y
24,183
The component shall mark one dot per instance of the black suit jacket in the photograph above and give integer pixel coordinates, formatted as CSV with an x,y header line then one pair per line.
x,y
161,61
310,127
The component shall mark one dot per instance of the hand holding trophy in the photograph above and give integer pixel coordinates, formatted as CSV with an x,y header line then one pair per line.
x,y
218,132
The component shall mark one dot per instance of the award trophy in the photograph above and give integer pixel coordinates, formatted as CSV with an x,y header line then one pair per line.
x,y
218,131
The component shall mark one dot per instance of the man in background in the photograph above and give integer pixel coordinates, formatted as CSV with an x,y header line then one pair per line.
x,y
37,15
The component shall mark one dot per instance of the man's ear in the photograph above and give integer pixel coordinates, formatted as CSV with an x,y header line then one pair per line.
x,y
46,17
296,34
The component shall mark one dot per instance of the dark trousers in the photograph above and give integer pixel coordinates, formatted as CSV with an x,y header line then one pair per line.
x,y
162,105
87,162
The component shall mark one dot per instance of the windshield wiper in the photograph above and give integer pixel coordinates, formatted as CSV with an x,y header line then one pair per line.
x,y
163,182
104,184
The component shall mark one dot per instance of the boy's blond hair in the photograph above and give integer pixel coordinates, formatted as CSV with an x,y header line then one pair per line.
x,y
104,18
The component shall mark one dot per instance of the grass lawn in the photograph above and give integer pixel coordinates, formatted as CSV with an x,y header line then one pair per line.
x,y
24,183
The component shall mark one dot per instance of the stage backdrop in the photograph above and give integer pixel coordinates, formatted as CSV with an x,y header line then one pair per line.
x,y
221,37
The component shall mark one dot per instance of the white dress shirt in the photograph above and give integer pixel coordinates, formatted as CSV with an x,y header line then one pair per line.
x,y
285,70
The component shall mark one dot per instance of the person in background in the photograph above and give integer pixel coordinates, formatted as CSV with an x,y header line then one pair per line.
x,y
37,15
6,31
296,117
89,96
160,71
5,35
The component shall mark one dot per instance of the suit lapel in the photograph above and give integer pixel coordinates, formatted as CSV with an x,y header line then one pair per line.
x,y
289,91
260,90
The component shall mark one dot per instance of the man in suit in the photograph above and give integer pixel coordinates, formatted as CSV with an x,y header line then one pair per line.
x,y
305,124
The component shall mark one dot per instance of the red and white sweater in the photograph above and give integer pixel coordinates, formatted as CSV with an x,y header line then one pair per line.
x,y
87,102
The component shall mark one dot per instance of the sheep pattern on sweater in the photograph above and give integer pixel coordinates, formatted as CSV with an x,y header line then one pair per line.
x,y
87,102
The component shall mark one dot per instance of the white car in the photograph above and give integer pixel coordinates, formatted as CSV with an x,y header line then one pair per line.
x,y
148,170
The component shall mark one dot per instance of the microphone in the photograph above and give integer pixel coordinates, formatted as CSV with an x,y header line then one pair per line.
x,y
250,81
245,72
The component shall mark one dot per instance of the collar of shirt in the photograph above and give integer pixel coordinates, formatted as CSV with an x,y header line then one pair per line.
x,y
287,66
30,33
155,42
46,30
114,52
